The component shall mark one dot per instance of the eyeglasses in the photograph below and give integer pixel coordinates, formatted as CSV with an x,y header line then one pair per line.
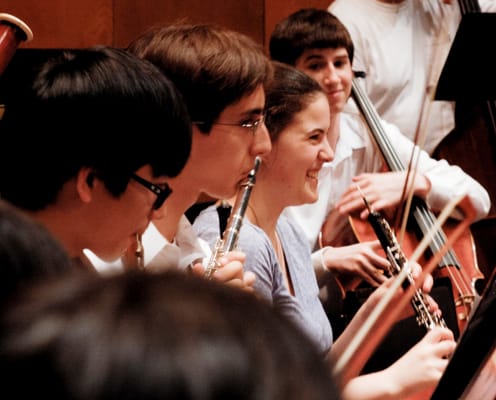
x,y
162,193
251,125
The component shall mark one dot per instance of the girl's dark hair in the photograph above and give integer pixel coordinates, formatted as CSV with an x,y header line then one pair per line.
x,y
289,92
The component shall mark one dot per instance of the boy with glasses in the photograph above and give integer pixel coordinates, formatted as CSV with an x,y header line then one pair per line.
x,y
65,162
221,75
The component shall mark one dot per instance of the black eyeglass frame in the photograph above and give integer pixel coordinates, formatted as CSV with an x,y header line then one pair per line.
x,y
161,193
252,126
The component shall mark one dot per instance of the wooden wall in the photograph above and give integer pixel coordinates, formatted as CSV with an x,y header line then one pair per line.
x,y
76,24
62,23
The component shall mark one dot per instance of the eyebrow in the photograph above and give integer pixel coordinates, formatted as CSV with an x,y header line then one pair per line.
x,y
318,56
313,57
251,113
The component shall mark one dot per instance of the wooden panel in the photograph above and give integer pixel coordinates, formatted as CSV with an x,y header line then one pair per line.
x,y
133,17
73,23
275,10
64,23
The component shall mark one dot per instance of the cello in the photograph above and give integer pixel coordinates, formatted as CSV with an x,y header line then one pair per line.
x,y
461,271
475,125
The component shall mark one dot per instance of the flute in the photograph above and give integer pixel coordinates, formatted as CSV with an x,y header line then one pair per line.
x,y
139,253
229,238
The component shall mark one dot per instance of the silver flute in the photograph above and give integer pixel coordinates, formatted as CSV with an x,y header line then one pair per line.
x,y
397,261
134,257
229,239
139,253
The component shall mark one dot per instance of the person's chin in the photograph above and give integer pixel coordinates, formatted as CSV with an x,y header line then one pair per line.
x,y
111,256
118,251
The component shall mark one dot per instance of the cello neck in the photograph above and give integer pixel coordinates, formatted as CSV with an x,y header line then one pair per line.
x,y
423,216
376,129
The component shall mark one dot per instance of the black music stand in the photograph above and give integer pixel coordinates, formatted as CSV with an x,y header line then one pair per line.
x,y
474,349
469,71
469,78
469,74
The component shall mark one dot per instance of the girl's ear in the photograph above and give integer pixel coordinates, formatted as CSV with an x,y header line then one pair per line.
x,y
84,184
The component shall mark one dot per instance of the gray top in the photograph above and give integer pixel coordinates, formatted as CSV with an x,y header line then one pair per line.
x,y
305,308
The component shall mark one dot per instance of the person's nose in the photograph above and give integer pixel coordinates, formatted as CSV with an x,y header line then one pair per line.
x,y
331,75
261,144
326,153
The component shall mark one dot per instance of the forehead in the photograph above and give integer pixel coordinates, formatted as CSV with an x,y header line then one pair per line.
x,y
315,114
314,117
327,53
250,104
